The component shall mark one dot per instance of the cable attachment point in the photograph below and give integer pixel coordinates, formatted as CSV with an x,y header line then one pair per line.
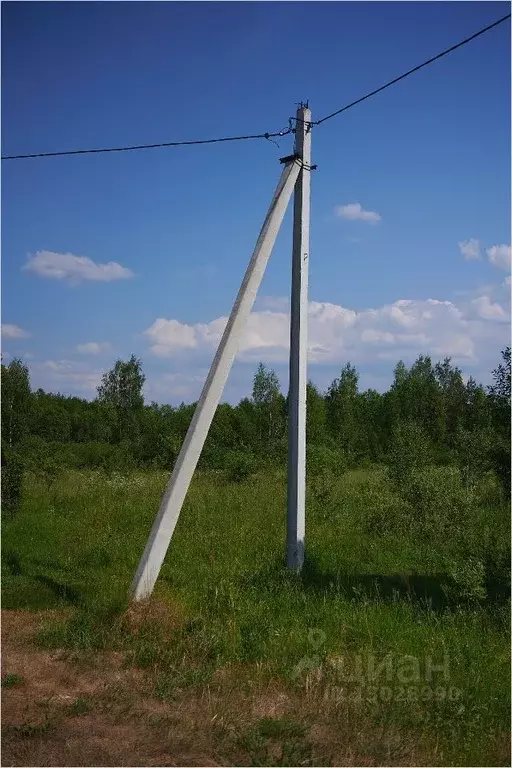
x,y
297,158
268,137
290,158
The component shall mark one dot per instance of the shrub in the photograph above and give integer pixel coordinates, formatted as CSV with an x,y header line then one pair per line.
x,y
323,467
320,458
500,461
444,512
116,458
440,505
410,451
45,458
92,455
495,555
468,577
383,512
238,466
34,451
278,453
12,482
473,453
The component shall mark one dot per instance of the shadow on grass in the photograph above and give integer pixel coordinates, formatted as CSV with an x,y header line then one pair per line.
x,y
427,591
437,592
64,592
29,570
12,561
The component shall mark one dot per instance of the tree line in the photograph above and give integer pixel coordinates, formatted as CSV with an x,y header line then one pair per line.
x,y
428,414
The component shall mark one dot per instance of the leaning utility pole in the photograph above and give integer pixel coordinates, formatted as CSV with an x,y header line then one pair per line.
x,y
172,501
295,529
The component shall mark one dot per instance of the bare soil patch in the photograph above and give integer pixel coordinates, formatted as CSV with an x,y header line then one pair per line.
x,y
83,710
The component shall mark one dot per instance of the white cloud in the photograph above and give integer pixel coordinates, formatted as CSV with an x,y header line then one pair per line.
x,y
489,310
500,256
93,347
405,328
459,346
371,336
14,332
280,303
355,212
183,386
63,375
74,269
167,336
470,249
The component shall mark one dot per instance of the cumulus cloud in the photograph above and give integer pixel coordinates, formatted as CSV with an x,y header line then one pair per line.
x,y
63,375
167,336
184,386
470,249
93,347
280,303
405,328
74,269
500,256
14,332
355,212
488,310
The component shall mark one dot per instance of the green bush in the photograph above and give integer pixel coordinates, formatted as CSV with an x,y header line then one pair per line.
x,y
468,579
473,455
500,461
410,451
278,453
12,483
34,451
496,560
323,468
474,542
239,466
439,504
320,458
382,511
46,458
92,455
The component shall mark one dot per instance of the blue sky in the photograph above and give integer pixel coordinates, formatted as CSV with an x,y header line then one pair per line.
x,y
429,158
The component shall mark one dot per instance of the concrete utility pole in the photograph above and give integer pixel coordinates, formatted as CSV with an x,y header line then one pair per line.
x,y
295,530
172,501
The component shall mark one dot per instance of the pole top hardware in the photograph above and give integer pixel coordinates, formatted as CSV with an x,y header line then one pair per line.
x,y
296,156
289,158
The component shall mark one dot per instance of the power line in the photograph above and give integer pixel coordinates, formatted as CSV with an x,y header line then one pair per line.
x,y
268,136
411,71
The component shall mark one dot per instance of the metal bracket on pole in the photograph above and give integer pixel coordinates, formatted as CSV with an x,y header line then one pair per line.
x,y
295,528
289,158
172,501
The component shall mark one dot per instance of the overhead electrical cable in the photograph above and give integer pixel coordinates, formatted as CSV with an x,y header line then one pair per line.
x,y
268,135
411,71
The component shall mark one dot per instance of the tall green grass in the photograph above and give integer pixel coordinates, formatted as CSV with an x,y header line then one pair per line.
x,y
373,588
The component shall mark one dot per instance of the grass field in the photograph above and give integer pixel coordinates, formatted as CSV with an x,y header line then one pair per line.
x,y
377,658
